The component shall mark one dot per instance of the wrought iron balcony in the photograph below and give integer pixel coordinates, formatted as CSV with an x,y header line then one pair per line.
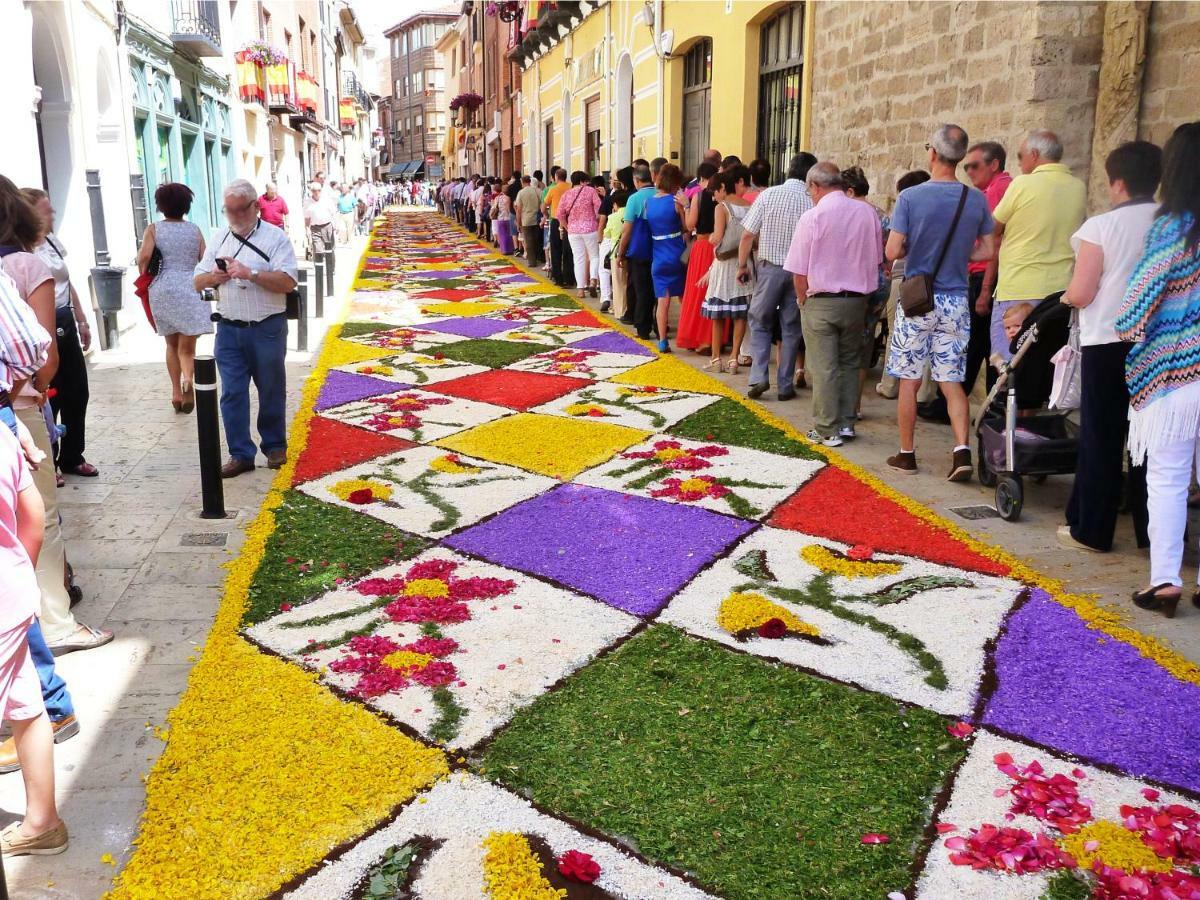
x,y
196,27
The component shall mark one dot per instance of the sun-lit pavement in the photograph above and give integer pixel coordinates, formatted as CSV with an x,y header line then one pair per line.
x,y
151,570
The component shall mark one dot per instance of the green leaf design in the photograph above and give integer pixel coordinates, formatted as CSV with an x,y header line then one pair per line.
x,y
754,565
910,587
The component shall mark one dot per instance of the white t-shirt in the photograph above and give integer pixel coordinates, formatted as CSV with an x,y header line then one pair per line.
x,y
1120,234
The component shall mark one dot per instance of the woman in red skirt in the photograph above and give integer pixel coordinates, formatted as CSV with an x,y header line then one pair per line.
x,y
695,332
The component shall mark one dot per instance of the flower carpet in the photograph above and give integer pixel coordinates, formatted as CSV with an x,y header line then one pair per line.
x,y
534,612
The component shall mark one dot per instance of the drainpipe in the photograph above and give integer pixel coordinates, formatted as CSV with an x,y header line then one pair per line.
x,y
662,72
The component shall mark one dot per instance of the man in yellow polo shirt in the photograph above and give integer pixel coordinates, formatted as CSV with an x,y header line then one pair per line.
x,y
1039,212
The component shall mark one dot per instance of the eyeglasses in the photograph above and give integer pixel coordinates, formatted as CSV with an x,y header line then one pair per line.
x,y
229,211
928,146
972,166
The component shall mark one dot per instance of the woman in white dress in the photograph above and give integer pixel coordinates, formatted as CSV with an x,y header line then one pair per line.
x,y
180,314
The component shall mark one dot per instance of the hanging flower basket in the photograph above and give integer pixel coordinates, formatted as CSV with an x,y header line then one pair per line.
x,y
468,101
508,11
261,54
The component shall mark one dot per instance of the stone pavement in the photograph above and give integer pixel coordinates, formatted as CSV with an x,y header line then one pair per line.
x,y
151,570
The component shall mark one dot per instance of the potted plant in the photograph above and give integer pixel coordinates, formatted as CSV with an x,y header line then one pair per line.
x,y
261,54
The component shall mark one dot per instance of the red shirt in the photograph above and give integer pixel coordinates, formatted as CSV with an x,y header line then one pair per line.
x,y
273,211
992,194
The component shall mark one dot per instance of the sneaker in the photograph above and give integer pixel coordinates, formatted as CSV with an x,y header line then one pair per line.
x,y
904,462
960,466
1066,539
847,433
757,390
817,438
48,843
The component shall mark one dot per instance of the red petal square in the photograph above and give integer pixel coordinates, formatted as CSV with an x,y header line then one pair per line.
x,y
452,294
583,319
334,445
505,387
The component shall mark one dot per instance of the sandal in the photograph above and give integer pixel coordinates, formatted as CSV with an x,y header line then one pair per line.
x,y
713,365
732,366
84,470
745,361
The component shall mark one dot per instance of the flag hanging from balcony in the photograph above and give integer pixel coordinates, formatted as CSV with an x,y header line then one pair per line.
x,y
346,112
306,89
250,78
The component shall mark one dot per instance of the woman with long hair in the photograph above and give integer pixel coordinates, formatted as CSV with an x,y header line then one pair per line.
x,y
693,331
1161,315
180,315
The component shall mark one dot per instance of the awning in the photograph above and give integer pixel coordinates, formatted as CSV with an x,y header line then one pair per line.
x,y
396,170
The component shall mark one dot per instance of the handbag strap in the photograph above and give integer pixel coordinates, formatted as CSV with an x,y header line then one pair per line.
x,y
246,243
962,201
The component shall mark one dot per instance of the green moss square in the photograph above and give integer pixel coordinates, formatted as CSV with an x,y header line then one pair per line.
x,y
354,329
731,423
755,777
553,301
496,354
330,542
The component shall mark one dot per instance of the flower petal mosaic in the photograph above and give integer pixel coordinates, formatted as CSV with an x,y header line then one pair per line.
x,y
533,611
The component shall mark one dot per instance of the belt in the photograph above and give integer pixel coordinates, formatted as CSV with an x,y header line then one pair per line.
x,y
664,237
839,294
238,323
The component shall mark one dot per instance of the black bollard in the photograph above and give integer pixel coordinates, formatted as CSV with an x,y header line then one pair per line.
x,y
319,282
329,267
208,430
302,320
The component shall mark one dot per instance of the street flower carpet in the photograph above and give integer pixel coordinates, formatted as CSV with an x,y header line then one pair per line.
x,y
533,612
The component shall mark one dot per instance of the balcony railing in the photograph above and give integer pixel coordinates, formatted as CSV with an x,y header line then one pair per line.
x,y
282,88
196,26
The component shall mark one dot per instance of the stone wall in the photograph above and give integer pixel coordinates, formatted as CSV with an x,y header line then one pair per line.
x,y
1169,91
881,80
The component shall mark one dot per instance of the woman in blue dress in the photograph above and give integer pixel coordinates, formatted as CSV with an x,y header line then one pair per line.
x,y
668,225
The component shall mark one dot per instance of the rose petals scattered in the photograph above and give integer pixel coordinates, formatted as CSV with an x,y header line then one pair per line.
x,y
772,628
1007,850
961,729
946,827
860,552
1150,794
578,866
1051,799
285,607
872,837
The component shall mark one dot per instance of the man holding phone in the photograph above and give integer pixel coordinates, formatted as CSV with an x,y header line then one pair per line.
x,y
253,265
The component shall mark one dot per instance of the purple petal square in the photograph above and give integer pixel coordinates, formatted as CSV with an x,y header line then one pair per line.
x,y
1079,690
631,552
470,326
346,387
612,342
516,279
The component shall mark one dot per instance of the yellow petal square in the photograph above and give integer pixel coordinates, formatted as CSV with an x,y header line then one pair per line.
x,y
466,309
666,372
548,445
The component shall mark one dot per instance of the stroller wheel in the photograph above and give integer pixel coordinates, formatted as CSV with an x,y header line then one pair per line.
x,y
1010,496
986,476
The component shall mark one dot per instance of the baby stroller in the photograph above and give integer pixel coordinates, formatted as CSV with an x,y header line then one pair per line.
x,y
1040,441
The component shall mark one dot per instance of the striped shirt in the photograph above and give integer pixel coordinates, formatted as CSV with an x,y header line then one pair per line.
x,y
773,217
1161,313
244,300
23,342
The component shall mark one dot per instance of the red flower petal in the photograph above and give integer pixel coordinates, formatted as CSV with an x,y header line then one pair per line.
x,y
875,838
960,729
946,827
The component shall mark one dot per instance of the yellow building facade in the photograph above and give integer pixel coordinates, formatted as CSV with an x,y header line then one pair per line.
x,y
666,78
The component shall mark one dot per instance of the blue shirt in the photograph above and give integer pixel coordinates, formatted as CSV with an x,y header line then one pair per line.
x,y
347,203
923,215
637,203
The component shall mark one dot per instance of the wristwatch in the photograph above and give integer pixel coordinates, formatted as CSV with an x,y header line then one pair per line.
x,y
253,274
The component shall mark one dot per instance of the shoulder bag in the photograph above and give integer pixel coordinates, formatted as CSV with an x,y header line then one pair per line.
x,y
916,291
728,248
640,244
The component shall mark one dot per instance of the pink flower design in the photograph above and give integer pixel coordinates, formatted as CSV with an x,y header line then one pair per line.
x,y
384,666
673,455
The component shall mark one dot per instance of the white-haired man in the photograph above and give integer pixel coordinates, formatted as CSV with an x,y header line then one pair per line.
x,y
936,228
1039,212
254,267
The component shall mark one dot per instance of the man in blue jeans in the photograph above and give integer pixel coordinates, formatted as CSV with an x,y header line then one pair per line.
x,y
254,267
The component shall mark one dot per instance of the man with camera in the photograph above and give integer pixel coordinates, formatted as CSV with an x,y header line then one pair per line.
x,y
253,267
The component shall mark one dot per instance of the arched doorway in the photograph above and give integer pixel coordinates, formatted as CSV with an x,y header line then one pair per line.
x,y
780,73
54,110
697,104
623,108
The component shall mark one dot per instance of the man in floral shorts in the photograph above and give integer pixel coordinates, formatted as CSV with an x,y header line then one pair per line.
x,y
921,226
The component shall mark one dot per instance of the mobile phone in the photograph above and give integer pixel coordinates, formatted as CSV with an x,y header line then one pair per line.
x,y
222,264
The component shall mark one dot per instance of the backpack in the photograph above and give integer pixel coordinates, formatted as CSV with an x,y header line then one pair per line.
x,y
640,242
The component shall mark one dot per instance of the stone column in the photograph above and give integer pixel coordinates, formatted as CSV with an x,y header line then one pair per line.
x,y
1119,97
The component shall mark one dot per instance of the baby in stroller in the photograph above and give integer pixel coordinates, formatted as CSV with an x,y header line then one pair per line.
x,y
1017,435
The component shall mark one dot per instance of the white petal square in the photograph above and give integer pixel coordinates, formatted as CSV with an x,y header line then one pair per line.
x,y
433,492
973,802
650,409
405,339
511,649
440,416
462,811
594,364
737,481
414,369
549,334
524,312
953,619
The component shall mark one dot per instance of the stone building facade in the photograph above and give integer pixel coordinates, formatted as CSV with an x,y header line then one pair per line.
x,y
418,96
1170,93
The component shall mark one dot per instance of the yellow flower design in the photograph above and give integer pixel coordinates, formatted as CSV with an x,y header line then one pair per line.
x,y
407,659
376,370
585,409
1118,847
427,587
638,392
432,361
451,464
833,564
511,871
668,454
742,612
343,489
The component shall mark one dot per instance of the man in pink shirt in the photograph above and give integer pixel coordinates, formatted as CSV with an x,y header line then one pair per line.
x,y
834,259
